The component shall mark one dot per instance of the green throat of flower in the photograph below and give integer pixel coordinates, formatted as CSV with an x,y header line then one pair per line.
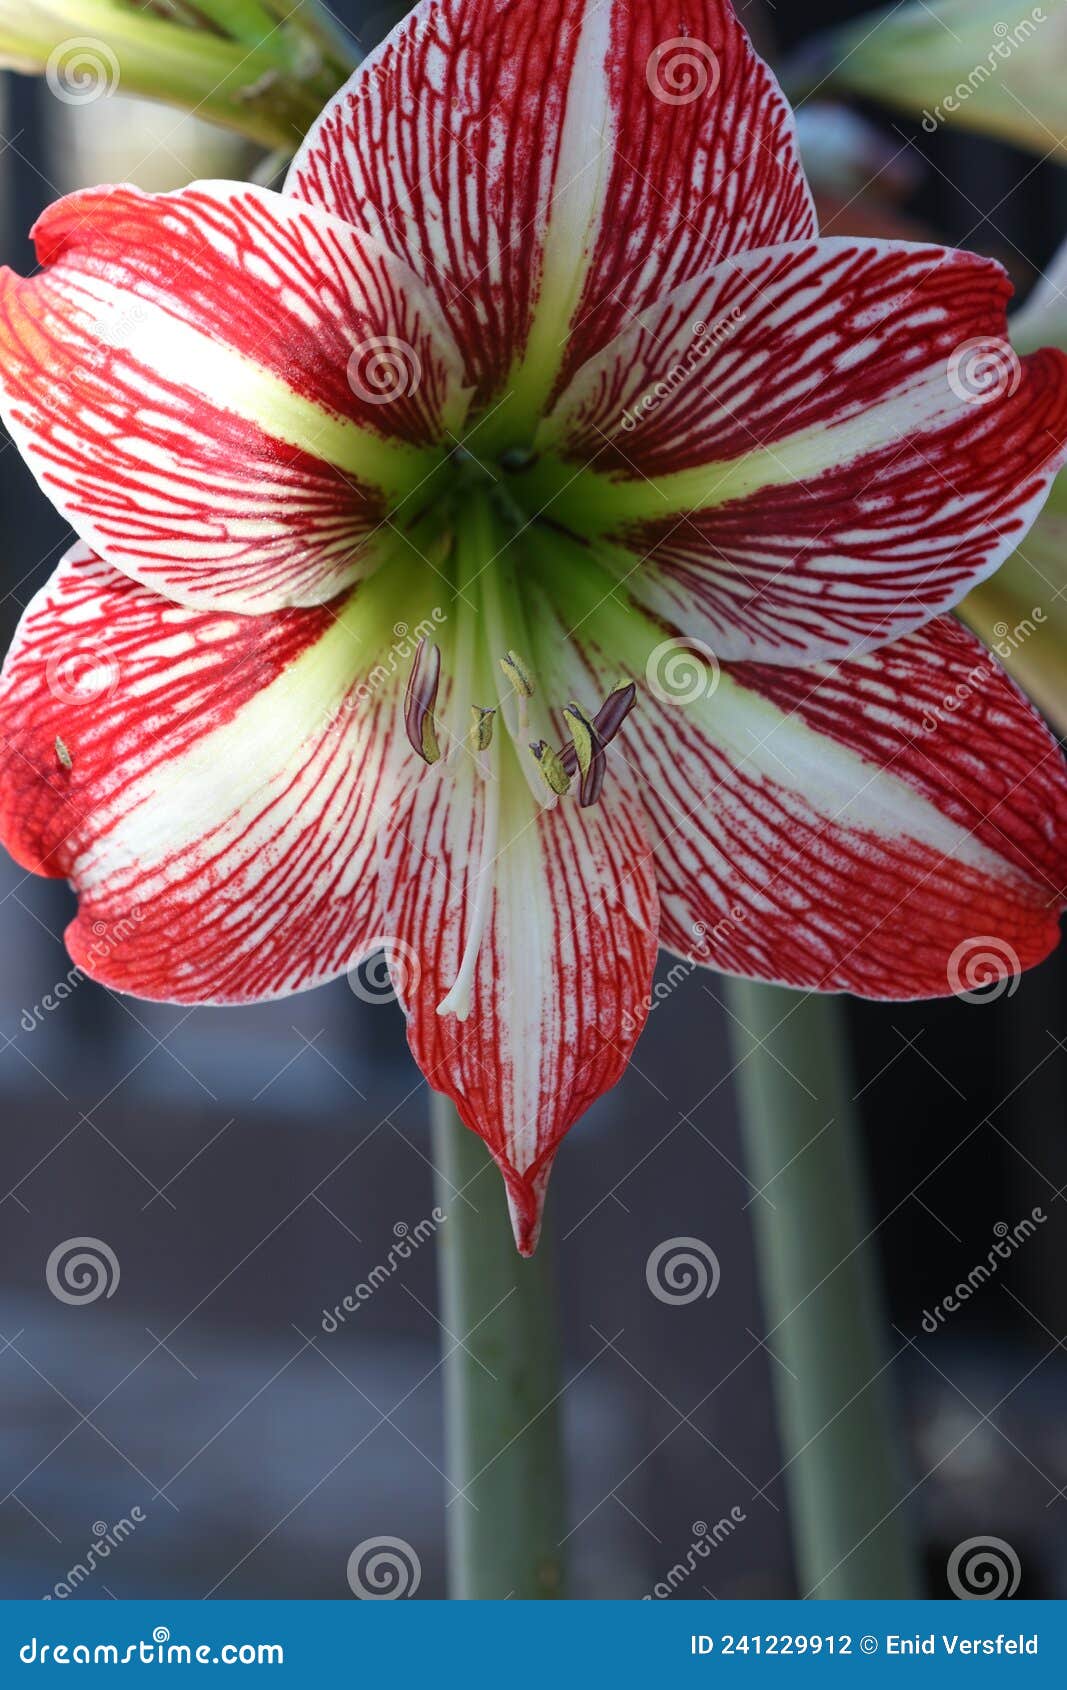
x,y
510,599
498,697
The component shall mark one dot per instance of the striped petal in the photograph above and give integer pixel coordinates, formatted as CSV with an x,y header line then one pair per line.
x,y
210,783
560,987
884,826
222,390
550,166
812,449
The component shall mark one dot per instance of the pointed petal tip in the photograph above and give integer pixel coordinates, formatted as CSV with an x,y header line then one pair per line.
x,y
526,1203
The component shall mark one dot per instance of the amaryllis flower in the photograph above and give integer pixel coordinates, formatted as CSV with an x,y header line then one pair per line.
x,y
522,544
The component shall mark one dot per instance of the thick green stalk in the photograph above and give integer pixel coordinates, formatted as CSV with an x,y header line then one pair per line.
x,y
501,1375
817,1260
269,87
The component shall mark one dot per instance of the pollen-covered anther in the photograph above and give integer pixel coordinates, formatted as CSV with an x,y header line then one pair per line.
x,y
63,756
583,736
585,751
420,700
518,674
550,763
481,728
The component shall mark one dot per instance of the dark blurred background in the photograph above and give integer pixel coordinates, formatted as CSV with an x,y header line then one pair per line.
x,y
249,1167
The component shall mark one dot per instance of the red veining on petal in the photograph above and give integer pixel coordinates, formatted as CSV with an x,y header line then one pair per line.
x,y
563,973
779,867
234,881
447,144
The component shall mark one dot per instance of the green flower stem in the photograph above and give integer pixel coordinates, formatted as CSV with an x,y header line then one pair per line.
x,y
501,1376
241,20
270,89
826,1327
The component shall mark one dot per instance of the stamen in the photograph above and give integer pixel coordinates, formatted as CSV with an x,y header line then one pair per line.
x,y
420,701
63,756
583,735
481,729
586,749
553,773
457,1001
518,674
614,711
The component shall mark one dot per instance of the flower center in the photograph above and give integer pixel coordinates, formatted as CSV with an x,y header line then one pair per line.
x,y
497,696
489,551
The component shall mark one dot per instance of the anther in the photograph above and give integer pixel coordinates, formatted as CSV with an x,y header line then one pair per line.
x,y
518,674
583,736
614,711
550,764
63,756
585,752
481,728
420,701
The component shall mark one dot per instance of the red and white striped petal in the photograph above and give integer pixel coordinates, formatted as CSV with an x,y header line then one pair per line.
x,y
545,164
223,390
877,827
560,987
814,448
210,783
